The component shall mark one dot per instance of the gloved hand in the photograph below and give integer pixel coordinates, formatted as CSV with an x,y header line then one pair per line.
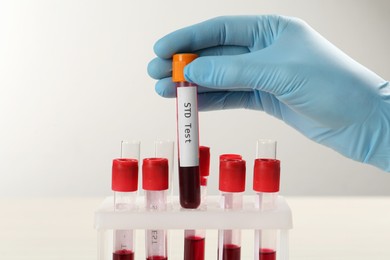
x,y
282,66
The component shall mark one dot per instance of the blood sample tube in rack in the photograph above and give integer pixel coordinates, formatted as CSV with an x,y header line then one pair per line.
x,y
124,185
155,184
232,186
194,239
266,181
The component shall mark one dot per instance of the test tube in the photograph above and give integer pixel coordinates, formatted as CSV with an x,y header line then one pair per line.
x,y
187,132
155,183
204,171
266,181
266,149
194,240
130,149
232,186
165,149
125,185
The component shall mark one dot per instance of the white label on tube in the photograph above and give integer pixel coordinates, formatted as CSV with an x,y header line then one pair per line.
x,y
187,121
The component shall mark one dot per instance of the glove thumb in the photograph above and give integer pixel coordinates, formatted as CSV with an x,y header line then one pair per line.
x,y
243,72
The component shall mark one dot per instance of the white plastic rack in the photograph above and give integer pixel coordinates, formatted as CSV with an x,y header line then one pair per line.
x,y
177,218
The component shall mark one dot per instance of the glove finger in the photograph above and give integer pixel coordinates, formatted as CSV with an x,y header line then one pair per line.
x,y
255,100
227,100
247,31
219,72
222,50
210,99
166,88
262,71
161,68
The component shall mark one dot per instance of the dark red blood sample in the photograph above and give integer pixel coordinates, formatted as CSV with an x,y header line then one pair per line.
x,y
267,254
189,186
231,252
194,248
123,255
157,257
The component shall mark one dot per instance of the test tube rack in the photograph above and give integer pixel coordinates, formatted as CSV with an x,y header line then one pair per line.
x,y
177,218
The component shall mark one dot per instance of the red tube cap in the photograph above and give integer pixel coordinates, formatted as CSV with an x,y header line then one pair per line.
x,y
204,161
266,177
203,181
155,174
232,175
230,156
124,175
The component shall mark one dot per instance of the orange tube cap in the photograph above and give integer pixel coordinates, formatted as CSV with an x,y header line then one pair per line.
x,y
179,61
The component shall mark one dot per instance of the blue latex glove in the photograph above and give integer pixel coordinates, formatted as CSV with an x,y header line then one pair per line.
x,y
282,66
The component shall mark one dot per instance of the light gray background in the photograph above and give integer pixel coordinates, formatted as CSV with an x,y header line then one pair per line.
x,y
73,84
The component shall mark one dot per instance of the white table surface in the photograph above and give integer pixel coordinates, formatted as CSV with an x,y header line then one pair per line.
x,y
324,228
